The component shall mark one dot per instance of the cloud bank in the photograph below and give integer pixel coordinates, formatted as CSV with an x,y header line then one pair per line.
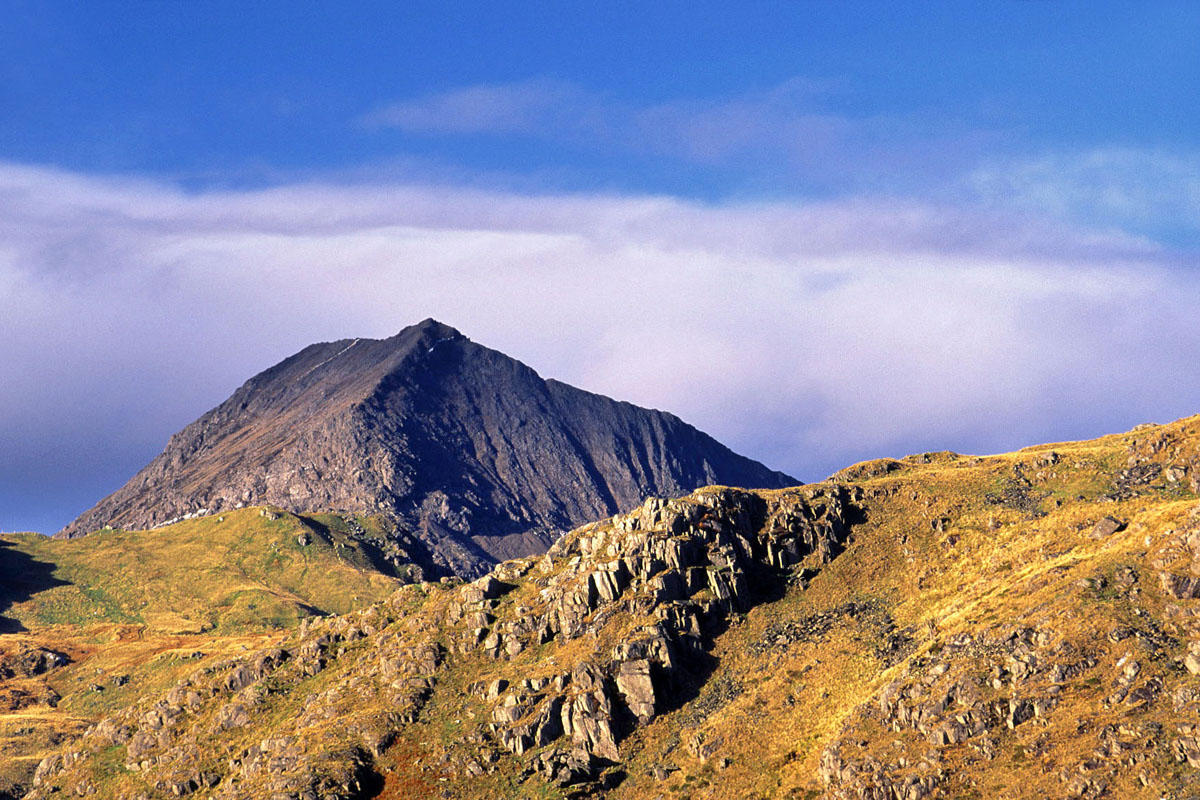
x,y
805,335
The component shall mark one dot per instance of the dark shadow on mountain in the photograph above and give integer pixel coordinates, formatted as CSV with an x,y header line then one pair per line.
x,y
375,548
21,577
699,664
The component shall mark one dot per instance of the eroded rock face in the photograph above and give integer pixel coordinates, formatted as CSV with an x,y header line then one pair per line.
x,y
975,687
167,741
688,563
24,674
470,451
684,565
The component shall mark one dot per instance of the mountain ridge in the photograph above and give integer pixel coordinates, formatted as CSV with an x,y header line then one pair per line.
x,y
1024,624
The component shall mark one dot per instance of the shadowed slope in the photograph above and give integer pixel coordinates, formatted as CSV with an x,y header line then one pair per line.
x,y
249,569
21,577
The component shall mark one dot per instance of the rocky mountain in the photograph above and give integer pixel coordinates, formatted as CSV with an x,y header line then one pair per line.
x,y
1024,625
471,454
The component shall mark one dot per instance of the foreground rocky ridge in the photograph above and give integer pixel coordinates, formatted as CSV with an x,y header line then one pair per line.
x,y
1023,625
472,455
678,568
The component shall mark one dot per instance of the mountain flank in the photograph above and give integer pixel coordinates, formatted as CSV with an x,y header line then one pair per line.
x,y
471,454
1024,625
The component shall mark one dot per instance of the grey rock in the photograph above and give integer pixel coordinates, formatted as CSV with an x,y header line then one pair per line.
x,y
1180,587
635,684
1107,527
469,451
1192,659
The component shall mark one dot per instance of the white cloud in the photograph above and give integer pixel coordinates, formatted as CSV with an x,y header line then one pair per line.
x,y
1143,189
791,130
809,135
486,108
806,335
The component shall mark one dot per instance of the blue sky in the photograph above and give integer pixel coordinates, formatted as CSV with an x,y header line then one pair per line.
x,y
862,228
234,92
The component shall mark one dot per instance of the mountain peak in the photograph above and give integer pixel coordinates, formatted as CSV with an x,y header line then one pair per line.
x,y
472,455
429,327
431,324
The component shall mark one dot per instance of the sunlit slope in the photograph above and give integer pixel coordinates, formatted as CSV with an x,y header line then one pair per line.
x,y
89,625
246,569
986,633
1019,625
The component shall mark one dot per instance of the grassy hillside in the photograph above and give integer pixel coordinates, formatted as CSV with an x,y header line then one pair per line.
x,y
132,611
246,570
1020,625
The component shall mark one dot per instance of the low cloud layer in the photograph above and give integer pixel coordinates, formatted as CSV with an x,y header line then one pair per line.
x,y
805,335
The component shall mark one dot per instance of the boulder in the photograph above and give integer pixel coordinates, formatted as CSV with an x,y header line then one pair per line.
x,y
636,686
1106,527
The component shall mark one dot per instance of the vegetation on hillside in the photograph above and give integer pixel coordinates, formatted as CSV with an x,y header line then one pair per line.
x,y
130,612
1019,625
247,569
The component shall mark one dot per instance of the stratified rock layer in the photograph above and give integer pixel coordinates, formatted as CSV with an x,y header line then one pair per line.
x,y
466,448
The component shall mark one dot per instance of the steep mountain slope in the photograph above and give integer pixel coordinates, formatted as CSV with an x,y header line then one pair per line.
x,y
474,453
1022,625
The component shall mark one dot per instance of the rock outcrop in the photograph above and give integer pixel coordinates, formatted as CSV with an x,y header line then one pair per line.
x,y
683,566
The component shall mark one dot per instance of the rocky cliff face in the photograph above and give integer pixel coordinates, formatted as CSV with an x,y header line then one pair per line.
x,y
466,449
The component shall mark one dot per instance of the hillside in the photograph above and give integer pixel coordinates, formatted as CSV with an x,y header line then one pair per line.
x,y
250,568
90,623
470,452
1020,625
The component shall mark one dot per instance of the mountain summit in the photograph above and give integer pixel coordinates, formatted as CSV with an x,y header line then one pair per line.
x,y
464,448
